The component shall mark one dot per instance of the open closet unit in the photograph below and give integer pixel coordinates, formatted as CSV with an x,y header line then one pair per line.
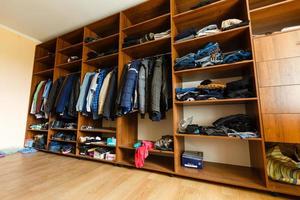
x,y
151,31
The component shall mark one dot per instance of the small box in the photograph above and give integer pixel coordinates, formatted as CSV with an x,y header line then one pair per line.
x,y
192,159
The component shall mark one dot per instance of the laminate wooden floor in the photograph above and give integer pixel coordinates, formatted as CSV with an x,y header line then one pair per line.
x,y
51,177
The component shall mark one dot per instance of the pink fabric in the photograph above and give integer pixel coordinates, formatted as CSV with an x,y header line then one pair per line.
x,y
142,153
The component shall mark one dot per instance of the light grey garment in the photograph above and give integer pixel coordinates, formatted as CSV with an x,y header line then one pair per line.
x,y
143,74
156,86
83,89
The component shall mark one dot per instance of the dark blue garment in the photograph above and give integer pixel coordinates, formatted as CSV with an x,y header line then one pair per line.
x,y
84,111
207,50
94,106
64,95
185,34
185,62
129,87
237,56
183,90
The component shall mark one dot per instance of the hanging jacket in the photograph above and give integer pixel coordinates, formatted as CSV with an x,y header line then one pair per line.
x,y
40,98
45,99
109,103
53,94
84,111
83,91
35,97
142,87
63,100
156,87
118,110
91,92
166,93
103,93
129,87
148,103
95,100
73,98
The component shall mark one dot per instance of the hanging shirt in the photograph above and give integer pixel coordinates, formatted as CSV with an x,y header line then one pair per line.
x,y
35,97
91,92
94,105
103,93
83,91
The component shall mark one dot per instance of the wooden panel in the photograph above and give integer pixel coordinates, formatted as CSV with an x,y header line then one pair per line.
x,y
282,127
260,3
279,72
284,45
283,99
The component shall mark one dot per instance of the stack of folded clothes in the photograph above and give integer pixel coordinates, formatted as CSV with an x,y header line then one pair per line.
x,y
40,141
64,136
239,125
42,126
134,40
210,29
211,90
210,55
97,152
59,147
61,124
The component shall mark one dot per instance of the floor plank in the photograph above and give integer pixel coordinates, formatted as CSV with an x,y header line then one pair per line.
x,y
51,177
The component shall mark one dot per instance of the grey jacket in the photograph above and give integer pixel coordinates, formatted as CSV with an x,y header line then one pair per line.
x,y
142,86
156,87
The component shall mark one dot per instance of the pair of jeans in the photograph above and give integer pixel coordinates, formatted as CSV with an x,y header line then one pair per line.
x,y
237,56
185,62
186,34
210,60
208,50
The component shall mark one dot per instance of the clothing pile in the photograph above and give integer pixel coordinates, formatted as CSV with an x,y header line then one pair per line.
x,y
239,125
134,40
59,147
88,140
210,55
98,93
40,141
40,100
211,90
146,86
64,125
64,136
210,29
166,143
39,126
72,58
97,152
95,54
282,165
93,128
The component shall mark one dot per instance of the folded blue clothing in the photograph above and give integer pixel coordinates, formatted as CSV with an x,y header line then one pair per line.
x,y
237,56
185,34
183,90
207,50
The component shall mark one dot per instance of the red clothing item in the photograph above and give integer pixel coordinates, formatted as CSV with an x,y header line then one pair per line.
x,y
142,153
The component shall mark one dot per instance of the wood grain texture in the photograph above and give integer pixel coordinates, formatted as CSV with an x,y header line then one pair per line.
x,y
282,127
279,72
47,176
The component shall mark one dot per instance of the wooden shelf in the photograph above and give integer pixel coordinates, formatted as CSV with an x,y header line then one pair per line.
x,y
152,164
72,49
95,159
274,17
153,151
35,130
98,145
154,25
216,137
60,140
99,130
63,129
212,37
217,69
71,65
104,43
59,153
107,60
217,101
150,48
224,173
187,15
264,6
47,72
284,188
48,60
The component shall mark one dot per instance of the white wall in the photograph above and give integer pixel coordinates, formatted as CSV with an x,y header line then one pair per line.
x,y
16,62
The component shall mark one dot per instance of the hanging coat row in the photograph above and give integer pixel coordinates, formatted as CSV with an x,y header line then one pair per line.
x,y
146,86
61,97
98,93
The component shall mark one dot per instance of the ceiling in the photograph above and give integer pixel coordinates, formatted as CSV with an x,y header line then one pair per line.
x,y
46,19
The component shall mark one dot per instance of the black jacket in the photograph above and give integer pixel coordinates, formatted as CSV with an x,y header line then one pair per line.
x,y
53,94
110,99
